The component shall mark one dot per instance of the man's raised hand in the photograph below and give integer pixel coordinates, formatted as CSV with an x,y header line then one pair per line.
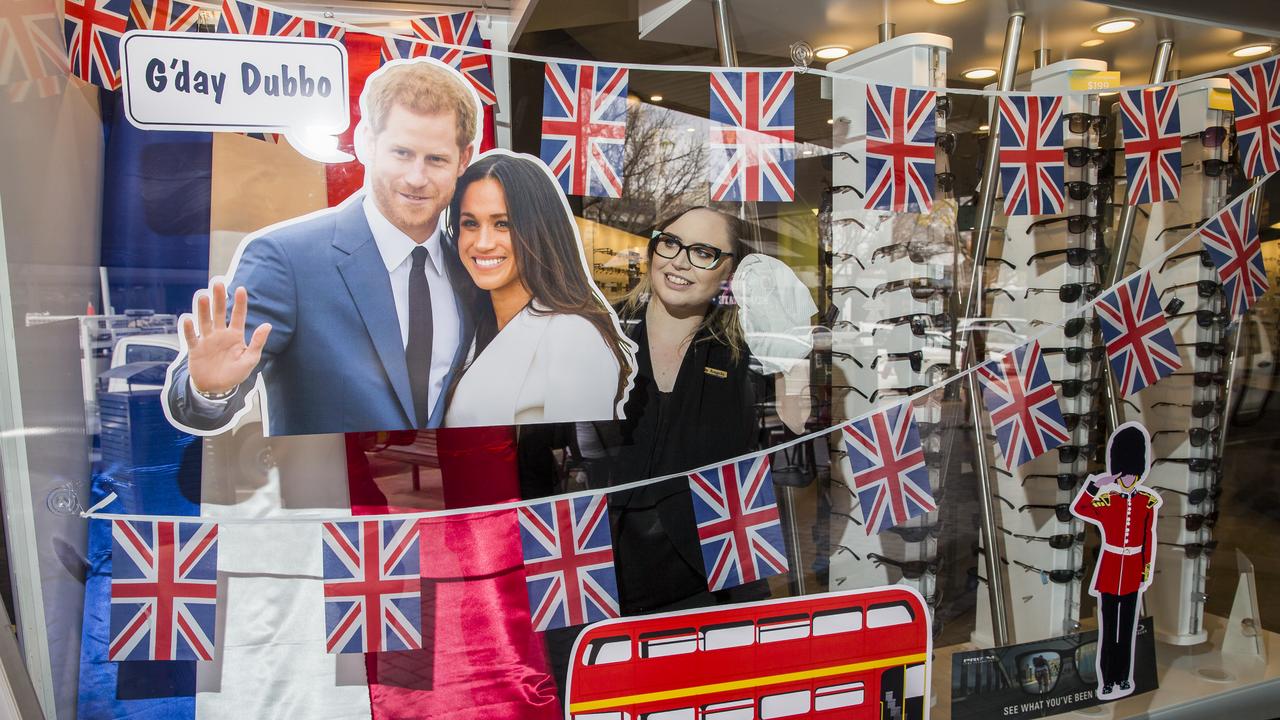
x,y
218,359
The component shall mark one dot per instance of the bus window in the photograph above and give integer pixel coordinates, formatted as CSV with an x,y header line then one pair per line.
x,y
787,627
914,683
838,696
732,710
728,635
668,642
603,651
615,715
887,614
784,705
830,622
680,714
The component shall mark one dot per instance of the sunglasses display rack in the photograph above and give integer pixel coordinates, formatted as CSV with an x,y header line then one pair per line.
x,y
1183,413
1040,271
891,285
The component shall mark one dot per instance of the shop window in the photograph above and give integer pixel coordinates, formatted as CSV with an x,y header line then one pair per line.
x,y
889,614
831,622
784,705
603,651
839,696
668,642
788,627
728,635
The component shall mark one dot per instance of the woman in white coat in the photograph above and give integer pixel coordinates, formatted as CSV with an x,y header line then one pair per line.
x,y
548,347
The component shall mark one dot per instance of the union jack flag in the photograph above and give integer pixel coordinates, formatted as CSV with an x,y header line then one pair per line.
x,y
1231,237
1152,144
372,587
455,29
164,590
753,132
584,126
890,477
1018,392
738,526
568,562
240,17
1255,92
93,29
1031,155
170,15
1139,345
31,53
900,148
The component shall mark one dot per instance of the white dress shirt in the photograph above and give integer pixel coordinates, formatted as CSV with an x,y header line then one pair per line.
x,y
396,250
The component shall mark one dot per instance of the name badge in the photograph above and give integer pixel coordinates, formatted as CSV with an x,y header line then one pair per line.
x,y
715,372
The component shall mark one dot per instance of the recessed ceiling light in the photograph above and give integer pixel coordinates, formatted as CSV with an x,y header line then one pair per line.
x,y
1253,50
979,73
1117,25
831,52
947,2
984,127
1092,42
655,98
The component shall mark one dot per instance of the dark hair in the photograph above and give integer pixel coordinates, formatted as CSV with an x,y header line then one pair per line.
x,y
547,252
1127,452
720,324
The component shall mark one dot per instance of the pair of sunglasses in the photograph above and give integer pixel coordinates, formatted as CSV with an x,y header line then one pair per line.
x,y
1066,481
919,322
1061,510
1197,496
922,288
1077,353
1070,453
1081,190
915,357
1215,168
1076,256
1205,318
1206,260
1204,378
918,533
1069,292
1195,549
911,569
1076,224
1195,521
917,251
1205,349
1199,408
1078,157
1194,464
1081,123
1210,137
1072,387
1199,436
1073,326
1058,542
1062,577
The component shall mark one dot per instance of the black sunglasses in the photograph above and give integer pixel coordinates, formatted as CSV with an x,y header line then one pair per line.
x,y
1077,353
1205,318
1205,349
1199,408
1057,542
921,288
1062,577
1080,123
1205,259
1076,256
1073,326
919,322
1066,481
887,392
1199,464
946,142
1199,436
1210,137
915,357
1195,521
1215,168
1081,190
1195,549
1062,510
839,189
1078,157
1197,496
911,569
1075,223
918,533
1204,378
1070,453
1073,386
1069,292
917,251
1204,288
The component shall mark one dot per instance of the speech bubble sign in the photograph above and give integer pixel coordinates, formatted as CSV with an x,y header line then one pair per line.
x,y
236,83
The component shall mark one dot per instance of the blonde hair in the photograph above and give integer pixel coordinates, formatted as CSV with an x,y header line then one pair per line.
x,y
423,88
720,324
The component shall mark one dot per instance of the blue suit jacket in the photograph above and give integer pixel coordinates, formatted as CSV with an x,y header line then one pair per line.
x,y
334,361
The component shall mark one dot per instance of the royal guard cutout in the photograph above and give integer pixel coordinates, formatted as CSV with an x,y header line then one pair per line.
x,y
1125,513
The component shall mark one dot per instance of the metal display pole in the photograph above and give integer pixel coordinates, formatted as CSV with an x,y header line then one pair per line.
x,y
973,307
1124,234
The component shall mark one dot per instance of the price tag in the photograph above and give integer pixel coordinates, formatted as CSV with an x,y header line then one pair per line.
x,y
1220,99
1084,80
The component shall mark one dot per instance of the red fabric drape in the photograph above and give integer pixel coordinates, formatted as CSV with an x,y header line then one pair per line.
x,y
481,657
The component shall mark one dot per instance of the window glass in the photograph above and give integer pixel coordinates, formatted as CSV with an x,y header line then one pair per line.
x,y
790,627
830,622
838,696
889,614
603,651
668,642
728,635
677,714
731,710
784,705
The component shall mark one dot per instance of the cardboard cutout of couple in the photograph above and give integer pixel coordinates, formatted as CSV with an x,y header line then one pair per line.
x,y
453,290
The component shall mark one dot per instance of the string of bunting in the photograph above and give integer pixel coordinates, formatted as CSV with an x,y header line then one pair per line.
x,y
164,568
752,128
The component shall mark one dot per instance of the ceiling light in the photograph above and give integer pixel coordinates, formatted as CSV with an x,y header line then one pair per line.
x,y
1253,50
831,121
979,73
831,52
1092,42
984,127
1118,25
655,98
947,2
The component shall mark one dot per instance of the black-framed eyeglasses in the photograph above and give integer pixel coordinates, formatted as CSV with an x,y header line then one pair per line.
x,y
1195,549
842,355
1061,510
1061,541
1194,497
917,251
1066,481
1078,157
1072,386
700,255
1180,226
1068,293
1204,378
1205,318
1210,137
1199,408
1079,123
915,357
911,569
1199,436
1062,577
1077,353
903,391
1195,521
1074,420
946,142
848,288
922,288
1076,256
839,154
918,533
1070,453
1197,464
1204,288
844,256
1075,223
919,322
1073,326
1206,259
840,189
1081,190
1206,348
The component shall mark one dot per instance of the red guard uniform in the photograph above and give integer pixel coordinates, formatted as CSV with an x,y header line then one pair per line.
x,y
1127,523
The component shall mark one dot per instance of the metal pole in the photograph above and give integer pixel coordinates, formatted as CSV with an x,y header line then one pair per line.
x,y
724,33
1043,57
973,307
887,31
1124,234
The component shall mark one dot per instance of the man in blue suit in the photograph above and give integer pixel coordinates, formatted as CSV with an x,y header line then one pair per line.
x,y
352,318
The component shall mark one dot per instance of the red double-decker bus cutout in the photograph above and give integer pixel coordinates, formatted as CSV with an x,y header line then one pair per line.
x,y
857,655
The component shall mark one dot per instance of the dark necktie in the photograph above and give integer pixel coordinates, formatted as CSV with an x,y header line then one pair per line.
x,y
417,353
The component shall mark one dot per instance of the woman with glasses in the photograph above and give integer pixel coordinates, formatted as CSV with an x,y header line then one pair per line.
x,y
548,347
